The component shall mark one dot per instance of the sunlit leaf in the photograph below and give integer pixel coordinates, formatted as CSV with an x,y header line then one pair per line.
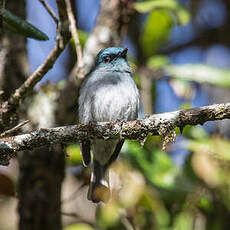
x,y
178,11
157,167
17,25
206,203
195,132
74,155
109,215
79,226
200,73
183,221
157,61
156,31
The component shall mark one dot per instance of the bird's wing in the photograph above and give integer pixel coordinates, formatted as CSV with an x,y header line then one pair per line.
x,y
85,152
116,152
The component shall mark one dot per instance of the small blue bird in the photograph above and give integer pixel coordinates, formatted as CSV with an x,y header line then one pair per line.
x,y
109,93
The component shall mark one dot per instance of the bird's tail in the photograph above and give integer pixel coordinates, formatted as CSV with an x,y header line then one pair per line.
x,y
99,184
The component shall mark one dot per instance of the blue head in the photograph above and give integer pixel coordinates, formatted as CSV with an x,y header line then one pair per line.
x,y
112,59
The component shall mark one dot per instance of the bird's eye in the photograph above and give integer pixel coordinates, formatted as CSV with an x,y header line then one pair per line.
x,y
107,59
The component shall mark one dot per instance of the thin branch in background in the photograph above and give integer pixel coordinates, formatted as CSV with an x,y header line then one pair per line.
x,y
37,75
14,129
80,72
62,39
49,10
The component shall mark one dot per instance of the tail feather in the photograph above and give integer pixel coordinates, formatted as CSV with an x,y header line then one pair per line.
x,y
85,152
99,184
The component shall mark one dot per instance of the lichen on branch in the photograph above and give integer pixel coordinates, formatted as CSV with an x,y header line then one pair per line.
x,y
157,124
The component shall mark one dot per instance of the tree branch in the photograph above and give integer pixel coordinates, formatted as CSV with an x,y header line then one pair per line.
x,y
63,36
80,72
49,10
14,129
157,124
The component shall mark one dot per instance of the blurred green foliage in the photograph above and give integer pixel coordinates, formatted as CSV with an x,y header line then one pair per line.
x,y
83,36
73,153
79,226
199,73
156,31
171,196
156,193
177,11
163,14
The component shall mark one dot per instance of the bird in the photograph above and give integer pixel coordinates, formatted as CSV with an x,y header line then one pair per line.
x,y
107,94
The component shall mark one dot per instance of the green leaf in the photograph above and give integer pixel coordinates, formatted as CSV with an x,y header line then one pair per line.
x,y
83,36
157,61
156,31
17,25
73,151
79,226
206,203
195,132
178,11
109,215
156,165
200,73
184,221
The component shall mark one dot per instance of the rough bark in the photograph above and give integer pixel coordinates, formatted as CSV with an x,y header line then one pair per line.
x,y
13,55
157,124
13,62
39,189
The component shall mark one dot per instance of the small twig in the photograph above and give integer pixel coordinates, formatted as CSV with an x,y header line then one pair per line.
x,y
8,108
49,10
80,72
63,37
14,129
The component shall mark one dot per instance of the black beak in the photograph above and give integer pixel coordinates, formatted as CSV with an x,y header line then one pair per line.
x,y
123,53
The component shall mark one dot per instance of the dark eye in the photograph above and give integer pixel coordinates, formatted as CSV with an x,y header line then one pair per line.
x,y
107,59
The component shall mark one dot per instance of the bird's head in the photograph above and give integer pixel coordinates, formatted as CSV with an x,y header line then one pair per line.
x,y
113,59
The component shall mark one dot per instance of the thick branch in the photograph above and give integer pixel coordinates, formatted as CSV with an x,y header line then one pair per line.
x,y
157,124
